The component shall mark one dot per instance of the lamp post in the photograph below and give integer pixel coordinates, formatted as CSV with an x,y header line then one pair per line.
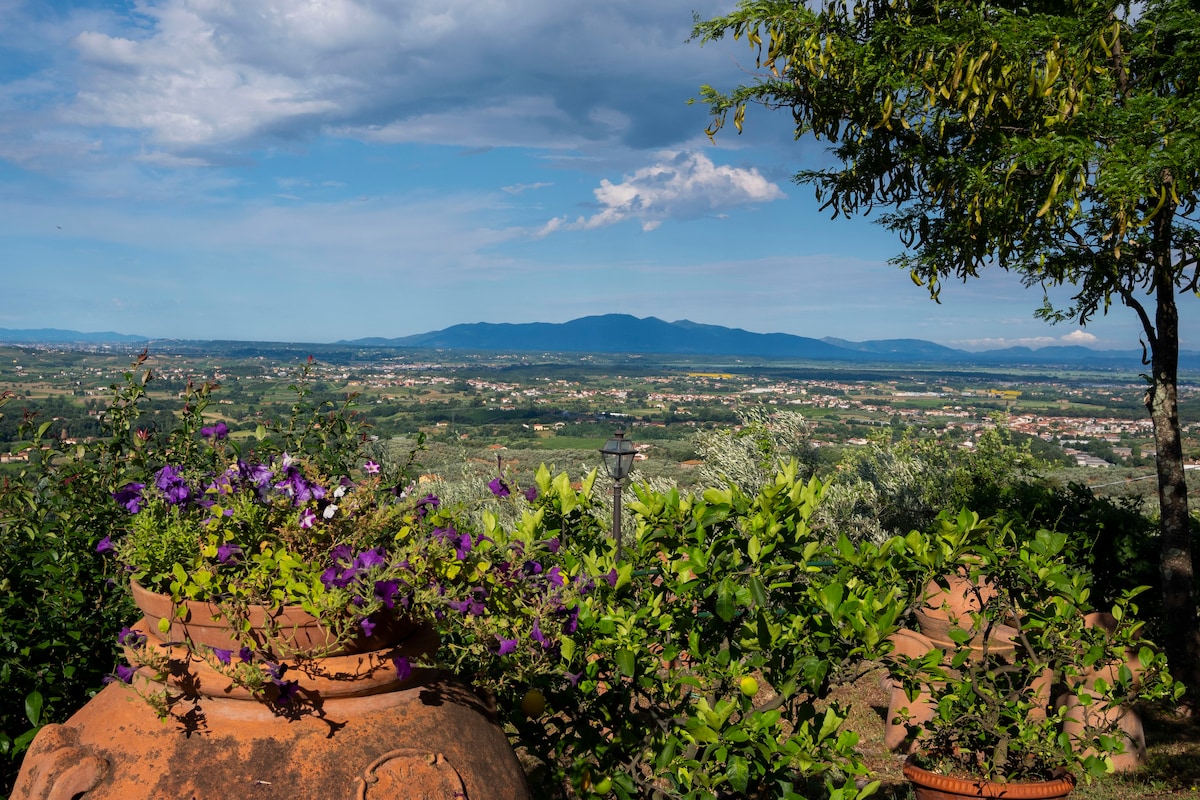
x,y
618,453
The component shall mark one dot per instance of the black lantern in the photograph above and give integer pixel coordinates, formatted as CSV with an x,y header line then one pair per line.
x,y
618,453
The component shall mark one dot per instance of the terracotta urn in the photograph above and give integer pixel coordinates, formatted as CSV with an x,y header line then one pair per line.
x,y
903,712
932,786
355,723
1122,720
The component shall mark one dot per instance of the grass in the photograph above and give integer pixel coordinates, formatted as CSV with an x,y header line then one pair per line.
x,y
1173,740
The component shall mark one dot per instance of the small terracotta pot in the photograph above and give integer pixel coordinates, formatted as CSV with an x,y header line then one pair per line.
x,y
932,786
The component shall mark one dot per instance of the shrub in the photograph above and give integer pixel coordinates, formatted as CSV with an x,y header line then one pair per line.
x,y
701,665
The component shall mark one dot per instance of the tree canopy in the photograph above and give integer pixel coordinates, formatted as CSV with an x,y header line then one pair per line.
x,y
1059,140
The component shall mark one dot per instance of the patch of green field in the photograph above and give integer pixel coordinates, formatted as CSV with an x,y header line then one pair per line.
x,y
567,443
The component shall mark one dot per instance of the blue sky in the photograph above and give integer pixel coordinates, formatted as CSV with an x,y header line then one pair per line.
x,y
316,170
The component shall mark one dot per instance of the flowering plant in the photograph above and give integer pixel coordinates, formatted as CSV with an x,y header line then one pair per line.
x,y
354,547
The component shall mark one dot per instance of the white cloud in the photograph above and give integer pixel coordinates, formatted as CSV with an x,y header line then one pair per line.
x,y
1080,337
520,188
1076,337
683,185
189,76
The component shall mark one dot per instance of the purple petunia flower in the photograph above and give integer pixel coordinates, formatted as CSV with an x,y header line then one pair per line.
x,y
370,558
463,546
298,487
386,591
171,483
611,577
338,577
287,692
371,468
472,606
255,474
307,519
427,504
506,646
246,654
125,673
222,655
215,432
130,637
554,575
572,623
130,496
539,637
166,477
368,627
499,487
105,545
404,670
552,545
531,494
229,553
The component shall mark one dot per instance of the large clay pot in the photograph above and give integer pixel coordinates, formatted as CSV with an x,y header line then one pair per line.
x,y
903,712
290,630
1122,720
955,597
353,728
932,786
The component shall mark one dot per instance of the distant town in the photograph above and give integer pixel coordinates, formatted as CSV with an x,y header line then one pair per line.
x,y
565,405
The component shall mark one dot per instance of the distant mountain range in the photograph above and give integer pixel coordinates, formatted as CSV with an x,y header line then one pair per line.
x,y
622,333
59,336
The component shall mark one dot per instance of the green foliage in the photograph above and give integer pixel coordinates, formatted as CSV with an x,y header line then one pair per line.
x,y
1057,140
56,593
699,666
1054,140
889,488
749,455
647,692
1023,659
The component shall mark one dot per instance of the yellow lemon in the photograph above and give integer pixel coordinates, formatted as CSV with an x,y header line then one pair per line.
x,y
533,703
749,686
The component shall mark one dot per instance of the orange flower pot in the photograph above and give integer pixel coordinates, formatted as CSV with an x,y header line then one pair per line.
x,y
356,729
932,786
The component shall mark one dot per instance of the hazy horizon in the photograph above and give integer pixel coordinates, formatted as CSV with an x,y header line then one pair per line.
x,y
339,340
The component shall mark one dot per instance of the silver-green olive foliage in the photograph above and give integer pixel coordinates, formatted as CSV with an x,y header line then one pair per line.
x,y
1057,140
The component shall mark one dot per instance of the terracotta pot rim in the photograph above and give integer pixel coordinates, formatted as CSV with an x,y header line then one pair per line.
x,y
143,597
981,787
353,675
295,631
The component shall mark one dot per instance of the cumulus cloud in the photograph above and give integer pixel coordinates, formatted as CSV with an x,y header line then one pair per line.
x,y
681,186
1080,337
192,76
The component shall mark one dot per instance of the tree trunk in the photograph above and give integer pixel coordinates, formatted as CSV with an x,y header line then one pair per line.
x,y
1175,560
